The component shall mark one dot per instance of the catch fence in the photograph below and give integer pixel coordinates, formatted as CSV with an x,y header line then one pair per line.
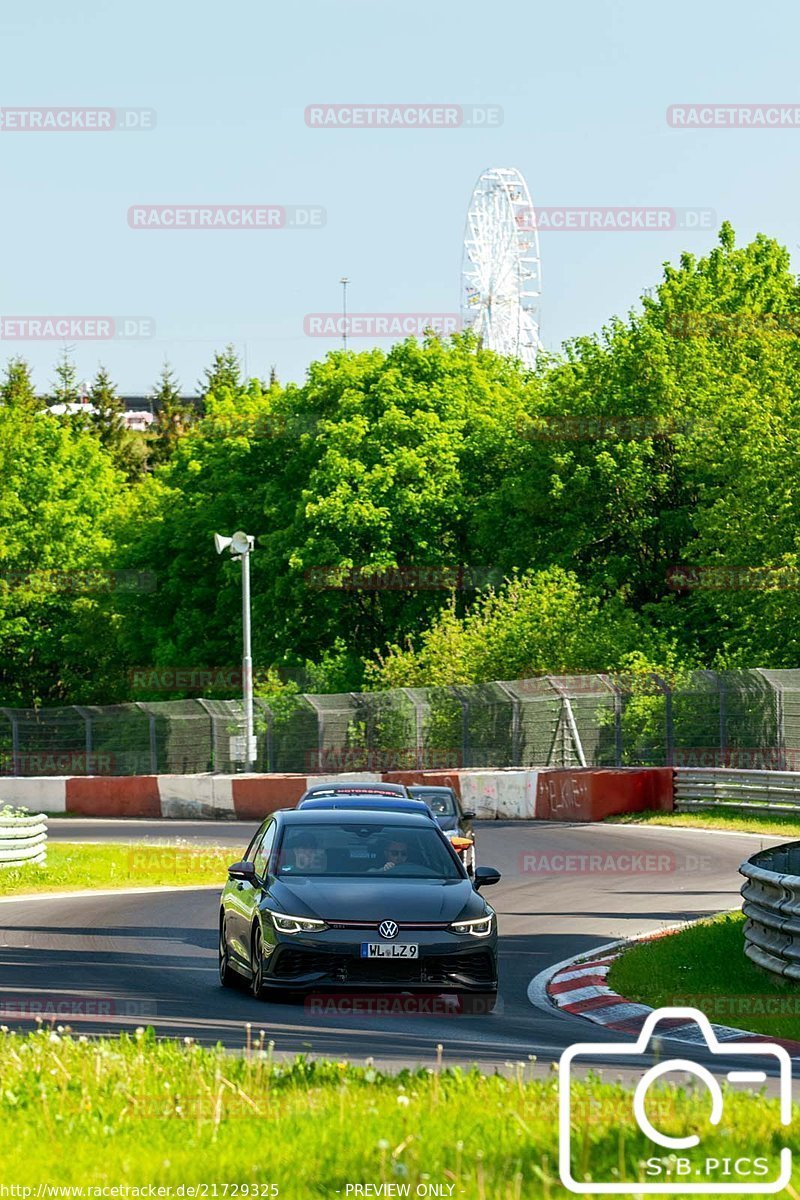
x,y
737,719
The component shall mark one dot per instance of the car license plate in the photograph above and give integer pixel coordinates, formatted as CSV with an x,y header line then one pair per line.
x,y
393,950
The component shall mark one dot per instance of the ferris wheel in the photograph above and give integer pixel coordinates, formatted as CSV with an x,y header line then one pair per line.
x,y
501,270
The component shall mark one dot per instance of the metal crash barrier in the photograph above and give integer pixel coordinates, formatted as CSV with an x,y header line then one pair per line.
x,y
23,839
772,907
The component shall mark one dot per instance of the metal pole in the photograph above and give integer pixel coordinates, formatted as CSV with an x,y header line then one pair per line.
x,y
247,664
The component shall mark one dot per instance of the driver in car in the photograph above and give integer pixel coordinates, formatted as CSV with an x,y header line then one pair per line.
x,y
395,853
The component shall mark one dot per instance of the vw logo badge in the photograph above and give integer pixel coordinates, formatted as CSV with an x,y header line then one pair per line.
x,y
388,929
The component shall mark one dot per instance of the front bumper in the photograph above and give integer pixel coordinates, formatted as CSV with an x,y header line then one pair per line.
x,y
446,960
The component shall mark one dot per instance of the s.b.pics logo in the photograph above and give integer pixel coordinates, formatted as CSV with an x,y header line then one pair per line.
x,y
660,1147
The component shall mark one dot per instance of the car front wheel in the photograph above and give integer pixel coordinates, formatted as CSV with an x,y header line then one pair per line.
x,y
227,975
257,963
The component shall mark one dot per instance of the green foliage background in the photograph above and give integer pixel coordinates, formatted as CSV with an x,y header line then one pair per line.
x,y
430,515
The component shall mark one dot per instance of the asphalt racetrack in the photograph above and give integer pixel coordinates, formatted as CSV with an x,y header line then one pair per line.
x,y
132,959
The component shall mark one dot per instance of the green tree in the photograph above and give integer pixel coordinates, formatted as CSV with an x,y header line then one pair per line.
x,y
224,374
109,415
173,416
542,622
17,387
66,389
127,448
59,497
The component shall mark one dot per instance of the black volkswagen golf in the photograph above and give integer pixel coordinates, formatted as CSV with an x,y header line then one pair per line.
x,y
358,900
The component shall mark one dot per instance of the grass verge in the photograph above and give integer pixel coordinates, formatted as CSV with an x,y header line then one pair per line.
x,y
775,826
133,1109
704,967
74,867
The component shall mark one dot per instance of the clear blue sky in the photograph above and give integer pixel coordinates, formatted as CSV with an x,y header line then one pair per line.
x,y
584,87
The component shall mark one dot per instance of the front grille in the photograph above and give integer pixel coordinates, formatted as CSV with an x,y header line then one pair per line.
x,y
289,964
404,927
478,965
472,967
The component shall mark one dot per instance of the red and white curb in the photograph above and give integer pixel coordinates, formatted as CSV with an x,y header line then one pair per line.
x,y
579,988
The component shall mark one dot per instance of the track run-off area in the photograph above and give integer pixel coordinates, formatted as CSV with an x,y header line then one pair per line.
x,y
134,958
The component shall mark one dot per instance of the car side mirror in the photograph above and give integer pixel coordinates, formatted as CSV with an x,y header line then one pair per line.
x,y
484,876
468,814
242,870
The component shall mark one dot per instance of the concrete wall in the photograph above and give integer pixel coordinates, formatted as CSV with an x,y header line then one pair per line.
x,y
584,794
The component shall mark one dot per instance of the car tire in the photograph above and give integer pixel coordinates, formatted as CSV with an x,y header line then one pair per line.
x,y
257,963
478,1004
227,975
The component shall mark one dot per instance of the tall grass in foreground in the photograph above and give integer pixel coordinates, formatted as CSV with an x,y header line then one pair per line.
x,y
141,1111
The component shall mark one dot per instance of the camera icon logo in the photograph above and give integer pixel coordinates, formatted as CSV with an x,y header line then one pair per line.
x,y
674,1171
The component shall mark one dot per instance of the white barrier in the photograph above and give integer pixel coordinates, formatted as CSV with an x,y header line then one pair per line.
x,y
192,797
23,839
500,795
39,793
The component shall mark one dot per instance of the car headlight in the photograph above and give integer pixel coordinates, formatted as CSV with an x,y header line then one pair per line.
x,y
287,924
480,927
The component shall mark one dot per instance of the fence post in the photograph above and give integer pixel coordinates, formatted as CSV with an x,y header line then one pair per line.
x,y
464,702
11,717
669,727
153,739
612,686
269,740
723,718
87,720
320,713
516,725
417,725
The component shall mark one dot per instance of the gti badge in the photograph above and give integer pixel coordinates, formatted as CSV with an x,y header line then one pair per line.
x,y
388,929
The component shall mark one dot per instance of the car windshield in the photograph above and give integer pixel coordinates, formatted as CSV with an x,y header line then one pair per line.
x,y
369,850
440,803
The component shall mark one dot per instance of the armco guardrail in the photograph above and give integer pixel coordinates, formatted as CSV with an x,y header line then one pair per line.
x,y
772,907
704,788
23,839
